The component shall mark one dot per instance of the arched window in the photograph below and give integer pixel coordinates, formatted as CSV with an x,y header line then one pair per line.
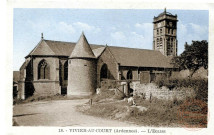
x,y
168,31
66,70
129,75
43,70
104,72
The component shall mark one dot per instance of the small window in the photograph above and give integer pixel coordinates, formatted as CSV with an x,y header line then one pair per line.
x,y
160,31
157,32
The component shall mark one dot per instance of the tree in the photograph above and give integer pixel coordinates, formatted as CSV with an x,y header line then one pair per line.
x,y
193,57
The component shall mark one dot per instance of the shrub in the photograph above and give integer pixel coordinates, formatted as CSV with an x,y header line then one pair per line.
x,y
201,89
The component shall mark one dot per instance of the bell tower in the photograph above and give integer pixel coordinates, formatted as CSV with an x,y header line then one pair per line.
x,y
165,33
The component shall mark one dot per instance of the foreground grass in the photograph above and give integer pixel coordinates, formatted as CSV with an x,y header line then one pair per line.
x,y
159,112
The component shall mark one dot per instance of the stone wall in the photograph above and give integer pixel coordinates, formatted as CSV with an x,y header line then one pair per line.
x,y
150,89
49,86
82,77
44,88
108,59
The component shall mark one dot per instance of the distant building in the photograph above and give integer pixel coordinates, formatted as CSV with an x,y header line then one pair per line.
x,y
55,67
15,83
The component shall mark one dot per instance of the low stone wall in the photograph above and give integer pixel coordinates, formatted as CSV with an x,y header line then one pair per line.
x,y
151,90
109,84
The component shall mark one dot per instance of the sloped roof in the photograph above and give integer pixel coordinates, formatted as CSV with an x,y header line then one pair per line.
x,y
24,65
61,48
16,76
82,49
97,52
140,57
124,56
165,13
41,49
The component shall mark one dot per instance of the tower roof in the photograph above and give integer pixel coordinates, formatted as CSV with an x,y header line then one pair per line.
x,y
82,49
165,16
165,13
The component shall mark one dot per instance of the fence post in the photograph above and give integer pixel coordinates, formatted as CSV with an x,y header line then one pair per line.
x,y
150,98
90,102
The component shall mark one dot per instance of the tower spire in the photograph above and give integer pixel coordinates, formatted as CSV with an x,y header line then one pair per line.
x,y
82,49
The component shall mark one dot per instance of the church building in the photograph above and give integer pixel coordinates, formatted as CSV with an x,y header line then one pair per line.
x,y
56,67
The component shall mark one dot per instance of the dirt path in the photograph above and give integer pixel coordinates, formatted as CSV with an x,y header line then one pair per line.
x,y
59,113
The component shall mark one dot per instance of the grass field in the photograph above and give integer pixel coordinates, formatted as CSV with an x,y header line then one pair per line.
x,y
191,112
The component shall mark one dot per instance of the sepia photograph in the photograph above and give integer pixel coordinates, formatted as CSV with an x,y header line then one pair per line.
x,y
130,67
110,71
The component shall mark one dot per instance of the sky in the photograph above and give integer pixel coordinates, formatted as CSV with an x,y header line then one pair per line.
x,y
131,28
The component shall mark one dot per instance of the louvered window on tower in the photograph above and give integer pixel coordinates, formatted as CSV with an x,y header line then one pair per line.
x,y
160,42
157,42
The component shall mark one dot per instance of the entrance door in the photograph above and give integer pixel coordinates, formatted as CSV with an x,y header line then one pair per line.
x,y
63,77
